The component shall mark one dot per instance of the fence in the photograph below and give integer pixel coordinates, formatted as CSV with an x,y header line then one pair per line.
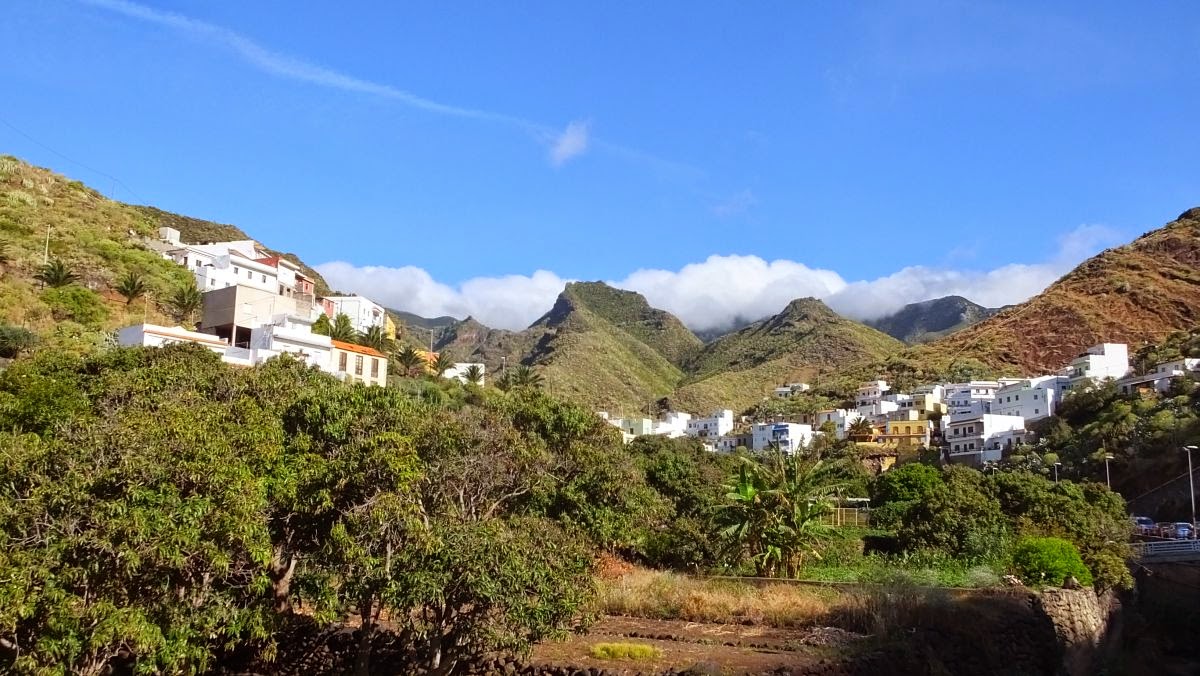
x,y
848,516
1178,550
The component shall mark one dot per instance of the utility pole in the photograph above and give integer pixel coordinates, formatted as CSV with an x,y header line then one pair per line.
x,y
46,251
1191,486
1056,471
1107,476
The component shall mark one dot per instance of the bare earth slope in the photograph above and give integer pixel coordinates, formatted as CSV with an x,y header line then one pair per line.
x,y
1133,294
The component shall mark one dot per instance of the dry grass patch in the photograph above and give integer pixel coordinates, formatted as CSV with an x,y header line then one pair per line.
x,y
669,596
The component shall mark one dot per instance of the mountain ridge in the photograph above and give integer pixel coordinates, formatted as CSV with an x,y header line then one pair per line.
x,y
931,319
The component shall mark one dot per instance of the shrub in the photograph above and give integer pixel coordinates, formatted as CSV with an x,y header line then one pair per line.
x,y
1049,561
625,651
14,340
76,303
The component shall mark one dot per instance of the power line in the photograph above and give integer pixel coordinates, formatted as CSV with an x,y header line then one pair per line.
x,y
114,179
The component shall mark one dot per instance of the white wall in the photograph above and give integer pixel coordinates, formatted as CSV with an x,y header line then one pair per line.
x,y
718,424
790,437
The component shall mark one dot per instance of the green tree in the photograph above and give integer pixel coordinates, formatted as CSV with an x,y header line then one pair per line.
x,y
525,377
473,374
131,286
960,518
322,326
894,493
76,303
55,274
185,302
342,329
860,430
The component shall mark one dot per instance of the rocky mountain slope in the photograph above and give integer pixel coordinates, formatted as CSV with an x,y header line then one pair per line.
x,y
1135,294
932,319
801,343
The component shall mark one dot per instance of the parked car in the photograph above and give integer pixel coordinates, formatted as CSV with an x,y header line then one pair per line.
x,y
1143,525
1181,530
1164,529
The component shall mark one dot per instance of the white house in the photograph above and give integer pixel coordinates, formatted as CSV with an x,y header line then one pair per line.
x,y
459,372
877,411
791,389
790,437
1032,398
293,336
1100,362
673,425
363,312
151,335
981,438
1159,377
716,425
841,418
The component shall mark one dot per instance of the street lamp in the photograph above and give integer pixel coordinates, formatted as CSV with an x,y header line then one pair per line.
x,y
1107,476
1056,466
1191,484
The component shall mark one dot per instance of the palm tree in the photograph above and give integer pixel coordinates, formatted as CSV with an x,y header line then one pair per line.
x,y
375,337
774,511
473,374
131,287
411,361
860,430
441,363
185,302
524,376
342,329
55,274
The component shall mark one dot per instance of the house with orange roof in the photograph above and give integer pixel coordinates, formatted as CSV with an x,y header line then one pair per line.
x,y
358,363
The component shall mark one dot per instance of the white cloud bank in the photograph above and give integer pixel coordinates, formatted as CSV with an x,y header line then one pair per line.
x,y
720,290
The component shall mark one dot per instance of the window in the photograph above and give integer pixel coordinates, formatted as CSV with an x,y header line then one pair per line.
x,y
374,367
971,446
235,269
1018,397
1035,411
358,364
249,274
342,362
212,282
264,279
197,263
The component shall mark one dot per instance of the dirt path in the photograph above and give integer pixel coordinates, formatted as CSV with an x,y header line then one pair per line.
x,y
737,649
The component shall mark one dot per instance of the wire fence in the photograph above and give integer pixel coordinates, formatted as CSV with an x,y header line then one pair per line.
x,y
848,516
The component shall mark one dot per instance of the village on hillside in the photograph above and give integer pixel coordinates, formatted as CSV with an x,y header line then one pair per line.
x,y
257,305
974,422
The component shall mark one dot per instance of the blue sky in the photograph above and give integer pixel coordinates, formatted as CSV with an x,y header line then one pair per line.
x,y
719,157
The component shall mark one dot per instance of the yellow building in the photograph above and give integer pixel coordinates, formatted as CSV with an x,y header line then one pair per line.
x,y
389,327
907,431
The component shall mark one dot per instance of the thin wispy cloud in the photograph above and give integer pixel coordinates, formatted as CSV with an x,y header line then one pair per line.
x,y
736,204
563,145
571,143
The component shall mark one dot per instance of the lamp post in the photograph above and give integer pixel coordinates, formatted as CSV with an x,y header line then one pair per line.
x,y
1107,476
1191,484
1056,465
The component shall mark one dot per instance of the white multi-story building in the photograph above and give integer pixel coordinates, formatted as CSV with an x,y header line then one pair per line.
x,y
1100,362
877,411
459,372
731,442
1032,398
981,438
294,336
871,392
970,398
1160,377
363,312
716,425
841,418
789,437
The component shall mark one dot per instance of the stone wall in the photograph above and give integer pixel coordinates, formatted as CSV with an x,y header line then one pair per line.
x,y
1086,624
